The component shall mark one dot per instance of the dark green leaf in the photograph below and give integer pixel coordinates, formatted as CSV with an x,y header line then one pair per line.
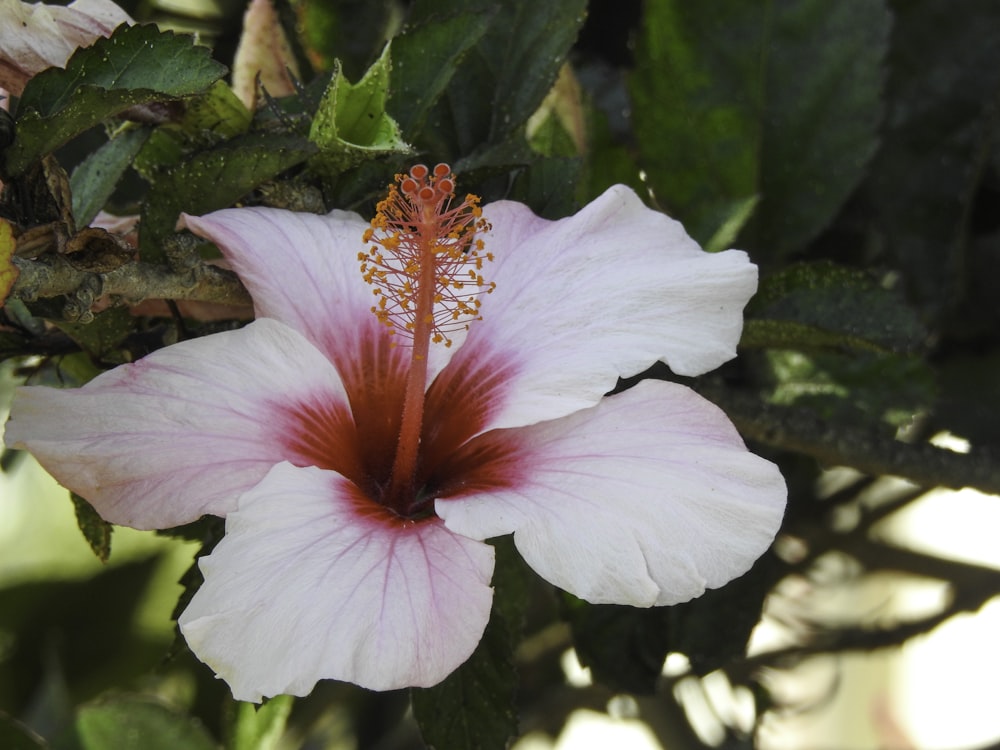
x,y
548,186
473,708
882,391
103,334
625,647
941,127
714,629
351,31
744,98
425,58
97,176
821,305
215,179
134,723
208,119
95,529
503,78
136,65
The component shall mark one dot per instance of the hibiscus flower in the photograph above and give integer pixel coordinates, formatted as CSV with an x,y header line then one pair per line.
x,y
373,426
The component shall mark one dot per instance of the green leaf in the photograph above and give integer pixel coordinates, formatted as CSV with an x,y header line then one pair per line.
x,y
97,176
216,115
772,98
942,96
95,529
713,629
503,78
548,186
822,305
473,708
351,124
260,727
101,336
881,391
625,647
15,736
134,723
425,57
215,179
136,65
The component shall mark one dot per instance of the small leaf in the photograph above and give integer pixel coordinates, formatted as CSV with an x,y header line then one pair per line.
x,y
136,65
133,723
215,179
473,708
95,529
8,271
260,727
351,124
822,305
97,176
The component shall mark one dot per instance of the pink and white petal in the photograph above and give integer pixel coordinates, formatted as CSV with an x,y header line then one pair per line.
x,y
184,431
314,581
586,299
300,268
35,36
647,499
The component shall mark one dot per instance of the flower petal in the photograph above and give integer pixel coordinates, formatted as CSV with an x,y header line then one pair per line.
x,y
648,498
185,430
581,301
35,36
313,581
300,268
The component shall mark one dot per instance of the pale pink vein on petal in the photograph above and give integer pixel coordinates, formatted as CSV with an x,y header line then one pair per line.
x,y
181,432
309,584
647,498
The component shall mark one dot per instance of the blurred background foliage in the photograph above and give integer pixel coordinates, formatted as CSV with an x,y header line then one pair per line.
x,y
849,147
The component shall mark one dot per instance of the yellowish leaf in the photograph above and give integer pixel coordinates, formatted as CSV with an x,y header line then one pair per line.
x,y
8,271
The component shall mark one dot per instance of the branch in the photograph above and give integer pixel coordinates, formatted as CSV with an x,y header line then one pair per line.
x,y
867,449
52,275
